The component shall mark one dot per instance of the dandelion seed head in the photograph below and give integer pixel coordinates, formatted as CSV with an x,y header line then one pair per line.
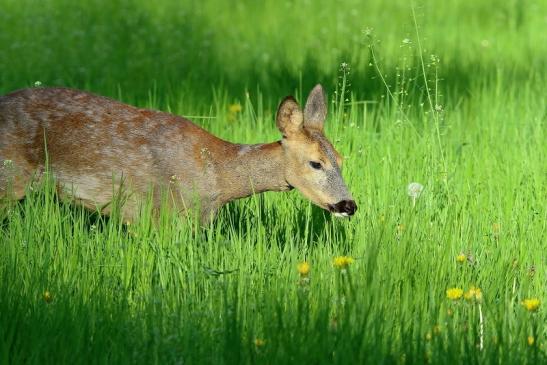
x,y
414,190
368,31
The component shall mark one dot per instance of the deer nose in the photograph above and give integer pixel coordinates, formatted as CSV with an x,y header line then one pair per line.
x,y
345,206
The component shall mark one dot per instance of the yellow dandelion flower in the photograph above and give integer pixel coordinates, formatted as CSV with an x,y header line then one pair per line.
x,y
342,262
233,111
461,258
234,108
531,340
303,268
454,293
531,304
48,297
428,336
259,342
473,294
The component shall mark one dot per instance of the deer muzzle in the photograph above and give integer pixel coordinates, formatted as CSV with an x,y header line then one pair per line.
x,y
343,208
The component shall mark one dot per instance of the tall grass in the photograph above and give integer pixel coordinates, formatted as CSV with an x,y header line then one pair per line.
x,y
77,287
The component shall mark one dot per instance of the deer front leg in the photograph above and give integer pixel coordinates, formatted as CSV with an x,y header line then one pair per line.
x,y
207,216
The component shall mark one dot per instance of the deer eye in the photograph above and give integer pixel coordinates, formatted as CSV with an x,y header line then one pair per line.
x,y
315,165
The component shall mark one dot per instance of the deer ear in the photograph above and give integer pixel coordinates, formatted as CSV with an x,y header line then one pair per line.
x,y
315,111
289,117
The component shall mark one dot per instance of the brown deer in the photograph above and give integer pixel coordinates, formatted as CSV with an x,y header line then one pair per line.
x,y
92,142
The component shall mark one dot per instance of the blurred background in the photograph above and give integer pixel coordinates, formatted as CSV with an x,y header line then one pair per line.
x,y
165,50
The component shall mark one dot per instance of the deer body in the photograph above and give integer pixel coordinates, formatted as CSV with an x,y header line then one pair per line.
x,y
95,145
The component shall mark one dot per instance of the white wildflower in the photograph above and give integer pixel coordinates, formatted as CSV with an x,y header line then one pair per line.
x,y
414,190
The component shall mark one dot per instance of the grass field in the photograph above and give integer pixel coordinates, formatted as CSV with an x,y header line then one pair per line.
x,y
447,94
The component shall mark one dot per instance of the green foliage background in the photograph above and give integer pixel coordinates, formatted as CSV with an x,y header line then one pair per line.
x,y
449,94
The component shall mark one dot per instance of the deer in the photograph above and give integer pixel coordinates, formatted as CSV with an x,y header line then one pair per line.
x,y
91,143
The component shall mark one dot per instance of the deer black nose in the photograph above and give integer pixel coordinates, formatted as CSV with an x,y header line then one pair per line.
x,y
345,206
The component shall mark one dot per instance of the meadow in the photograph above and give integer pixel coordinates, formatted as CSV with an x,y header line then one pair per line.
x,y
450,95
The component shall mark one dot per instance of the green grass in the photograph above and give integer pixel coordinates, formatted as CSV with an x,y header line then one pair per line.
x,y
172,293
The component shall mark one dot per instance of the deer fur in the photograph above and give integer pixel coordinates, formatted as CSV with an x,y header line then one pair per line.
x,y
92,142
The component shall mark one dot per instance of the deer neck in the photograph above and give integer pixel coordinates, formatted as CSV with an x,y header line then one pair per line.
x,y
253,169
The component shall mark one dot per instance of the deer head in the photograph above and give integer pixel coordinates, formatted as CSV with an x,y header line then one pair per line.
x,y
312,165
